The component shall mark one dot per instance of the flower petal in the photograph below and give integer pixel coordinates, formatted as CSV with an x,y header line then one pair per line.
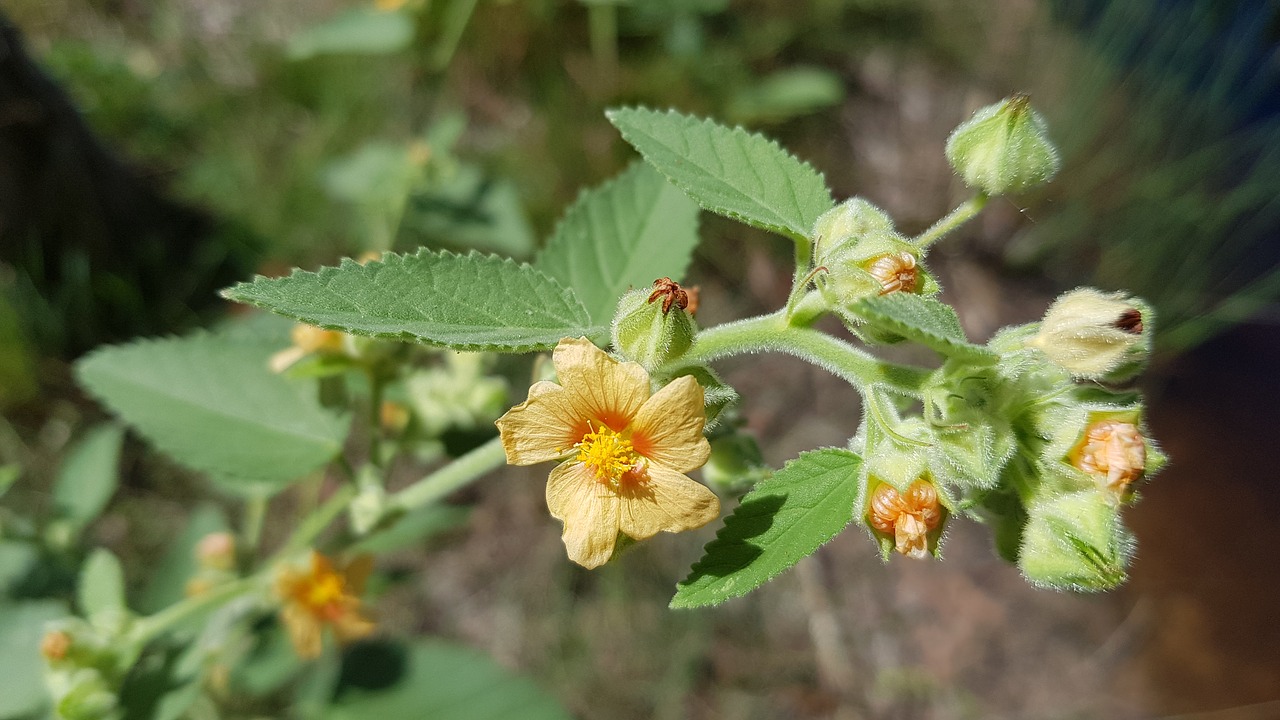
x,y
542,427
665,500
304,630
600,388
668,427
589,511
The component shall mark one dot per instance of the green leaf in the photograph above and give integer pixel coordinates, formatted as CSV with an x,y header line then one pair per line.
x,y
359,31
469,210
467,302
729,171
16,559
101,590
168,579
443,681
786,94
211,403
89,475
784,519
9,475
624,234
21,627
927,321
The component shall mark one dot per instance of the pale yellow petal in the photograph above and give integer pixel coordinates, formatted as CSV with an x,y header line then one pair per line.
x,y
285,359
589,511
351,625
668,428
303,629
664,500
599,387
541,428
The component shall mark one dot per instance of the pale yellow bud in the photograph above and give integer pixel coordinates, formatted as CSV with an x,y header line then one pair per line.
x,y
1092,334
217,551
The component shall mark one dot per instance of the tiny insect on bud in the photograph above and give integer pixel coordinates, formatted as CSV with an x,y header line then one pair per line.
x,y
54,645
652,326
909,517
1114,452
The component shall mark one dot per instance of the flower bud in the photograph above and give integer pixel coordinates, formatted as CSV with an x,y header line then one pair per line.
x,y
370,503
847,223
54,645
1096,335
651,326
913,519
1004,148
1075,541
216,551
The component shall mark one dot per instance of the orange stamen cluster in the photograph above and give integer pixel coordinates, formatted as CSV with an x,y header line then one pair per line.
x,y
908,518
608,454
895,272
1114,452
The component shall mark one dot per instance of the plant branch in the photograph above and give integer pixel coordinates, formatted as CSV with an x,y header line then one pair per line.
x,y
961,215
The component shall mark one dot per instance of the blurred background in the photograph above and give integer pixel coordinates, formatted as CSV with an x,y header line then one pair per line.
x,y
154,151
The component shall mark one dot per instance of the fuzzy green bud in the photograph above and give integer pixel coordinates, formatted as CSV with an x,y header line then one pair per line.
x,y
847,223
652,327
1075,541
1004,148
1096,335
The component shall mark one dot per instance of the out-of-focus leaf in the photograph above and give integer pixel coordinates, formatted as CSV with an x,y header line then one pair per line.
x,y
469,211
786,94
9,475
21,667
16,559
443,681
101,591
88,476
212,403
359,31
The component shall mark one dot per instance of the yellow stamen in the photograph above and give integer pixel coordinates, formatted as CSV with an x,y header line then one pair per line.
x,y
608,454
326,589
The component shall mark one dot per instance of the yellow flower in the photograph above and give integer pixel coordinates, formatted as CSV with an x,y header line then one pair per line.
x,y
323,595
625,451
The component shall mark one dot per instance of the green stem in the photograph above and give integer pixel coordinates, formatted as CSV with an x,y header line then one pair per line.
x,y
602,20
316,522
961,215
800,283
457,474
772,333
149,628
255,516
376,386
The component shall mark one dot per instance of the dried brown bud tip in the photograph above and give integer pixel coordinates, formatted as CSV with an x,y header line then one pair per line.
x,y
671,293
1130,321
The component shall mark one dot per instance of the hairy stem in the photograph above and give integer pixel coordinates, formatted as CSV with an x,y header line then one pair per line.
x,y
772,333
457,474
961,215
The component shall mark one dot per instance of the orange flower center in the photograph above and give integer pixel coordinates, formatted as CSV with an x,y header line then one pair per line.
x,y
909,517
325,590
1113,451
608,454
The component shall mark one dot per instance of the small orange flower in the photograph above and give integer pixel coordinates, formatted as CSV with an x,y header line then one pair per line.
x,y
908,518
625,451
896,272
1112,451
54,645
323,595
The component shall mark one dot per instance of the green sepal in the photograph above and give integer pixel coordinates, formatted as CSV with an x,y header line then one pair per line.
x,y
1075,541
